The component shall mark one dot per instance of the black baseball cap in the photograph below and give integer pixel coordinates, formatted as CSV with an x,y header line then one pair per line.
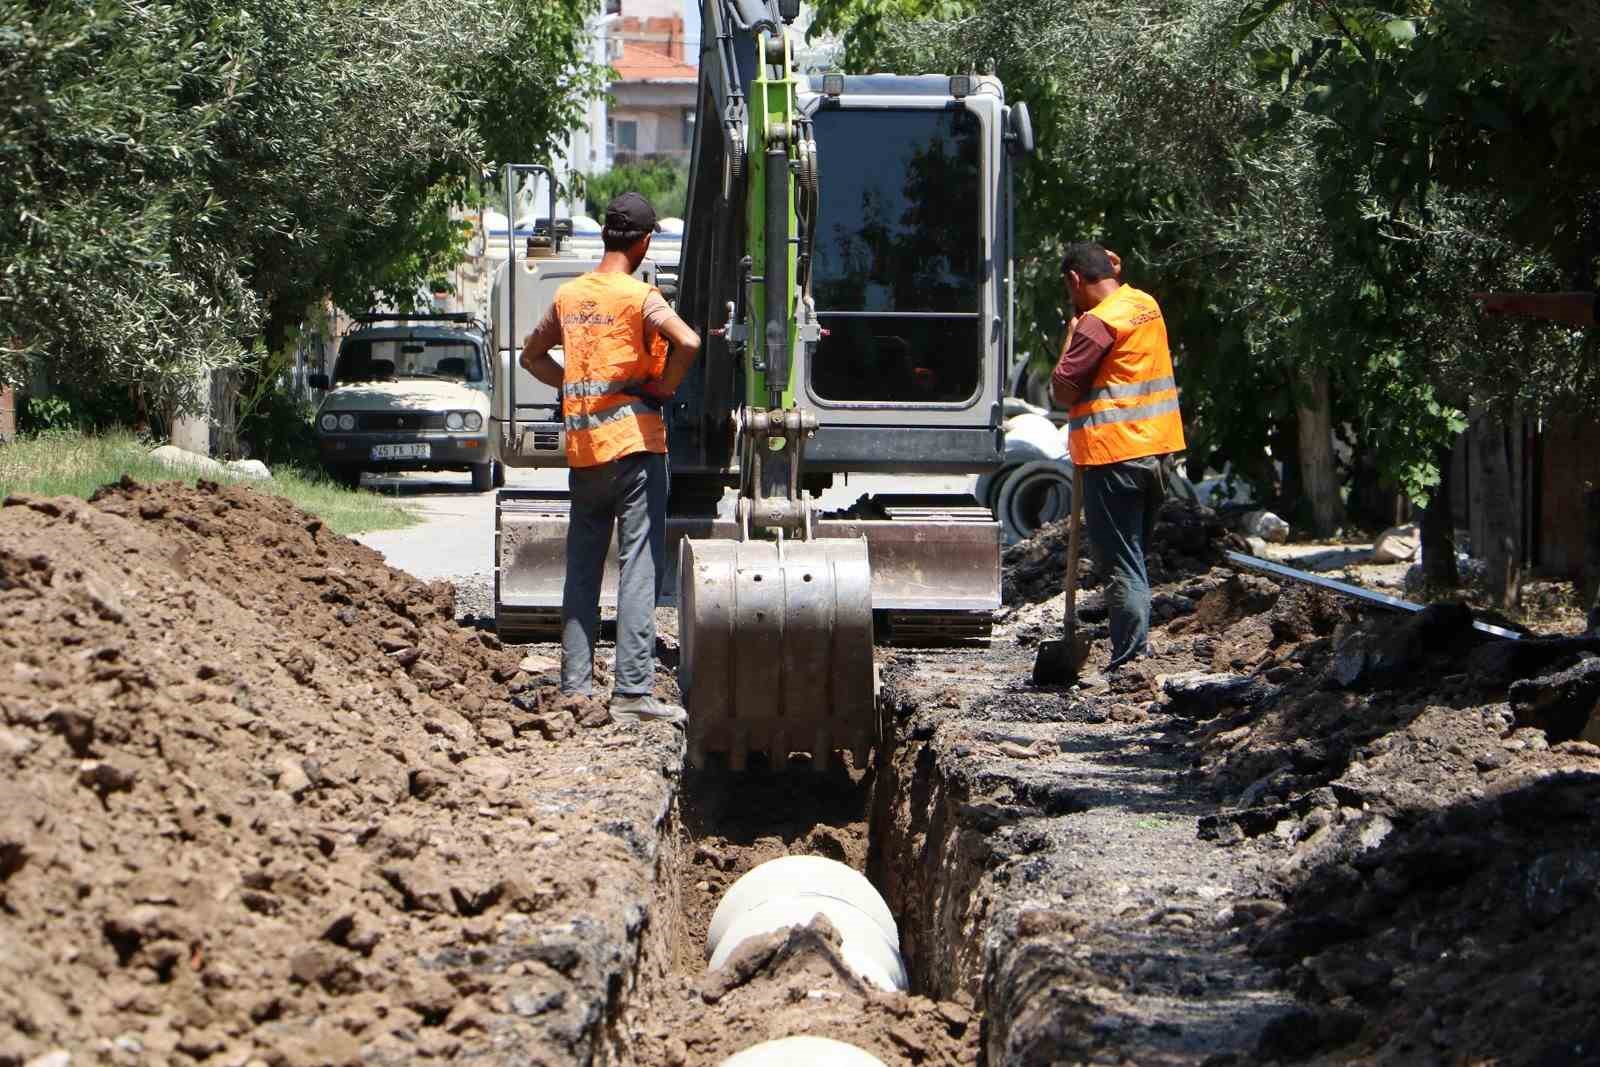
x,y
631,213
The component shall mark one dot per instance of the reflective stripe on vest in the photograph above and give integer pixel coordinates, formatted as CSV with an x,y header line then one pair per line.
x,y
601,418
1131,409
1128,389
1110,415
603,338
577,389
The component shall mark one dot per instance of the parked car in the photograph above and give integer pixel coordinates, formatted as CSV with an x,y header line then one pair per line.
x,y
409,392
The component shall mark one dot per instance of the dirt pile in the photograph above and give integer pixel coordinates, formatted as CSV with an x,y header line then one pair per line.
x,y
1424,810
1188,540
261,800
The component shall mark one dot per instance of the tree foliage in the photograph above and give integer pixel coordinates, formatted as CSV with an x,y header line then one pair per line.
x,y
662,182
1218,148
180,180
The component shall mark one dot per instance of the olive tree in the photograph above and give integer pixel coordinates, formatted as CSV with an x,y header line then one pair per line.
x,y
183,178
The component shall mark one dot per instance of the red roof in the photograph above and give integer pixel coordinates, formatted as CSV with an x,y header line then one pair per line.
x,y
641,63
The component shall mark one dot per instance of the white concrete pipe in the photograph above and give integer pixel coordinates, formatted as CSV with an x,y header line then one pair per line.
x,y
791,891
802,1052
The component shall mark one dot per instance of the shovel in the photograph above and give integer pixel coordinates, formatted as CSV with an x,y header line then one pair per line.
x,y
1058,662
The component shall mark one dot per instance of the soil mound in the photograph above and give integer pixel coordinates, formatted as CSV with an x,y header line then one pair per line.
x,y
1425,812
255,785
1188,541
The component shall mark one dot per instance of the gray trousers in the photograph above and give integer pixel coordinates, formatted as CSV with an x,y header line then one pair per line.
x,y
1120,505
629,494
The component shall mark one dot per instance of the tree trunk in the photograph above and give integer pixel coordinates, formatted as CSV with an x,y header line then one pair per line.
x,y
225,411
1318,475
1591,554
1439,530
1501,516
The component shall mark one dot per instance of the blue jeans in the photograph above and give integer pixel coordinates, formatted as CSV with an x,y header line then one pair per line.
x,y
630,496
1120,505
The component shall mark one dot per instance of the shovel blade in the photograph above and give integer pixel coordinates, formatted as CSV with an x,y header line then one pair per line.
x,y
1059,661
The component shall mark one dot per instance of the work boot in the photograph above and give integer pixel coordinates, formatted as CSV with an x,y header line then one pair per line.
x,y
642,707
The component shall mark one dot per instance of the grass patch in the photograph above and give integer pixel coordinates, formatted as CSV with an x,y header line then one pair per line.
x,y
73,464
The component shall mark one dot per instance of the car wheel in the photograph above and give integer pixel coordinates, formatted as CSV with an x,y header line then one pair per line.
x,y
499,475
483,477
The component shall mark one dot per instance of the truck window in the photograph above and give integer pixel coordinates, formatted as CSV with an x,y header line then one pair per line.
x,y
899,261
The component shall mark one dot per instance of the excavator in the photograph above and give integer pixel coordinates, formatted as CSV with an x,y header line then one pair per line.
x,y
847,259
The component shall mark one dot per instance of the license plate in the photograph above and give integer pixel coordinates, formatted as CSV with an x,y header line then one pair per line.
x,y
420,451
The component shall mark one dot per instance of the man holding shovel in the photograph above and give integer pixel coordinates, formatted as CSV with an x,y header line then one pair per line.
x,y
1115,378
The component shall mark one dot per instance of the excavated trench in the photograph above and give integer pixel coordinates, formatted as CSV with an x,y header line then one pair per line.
x,y
728,824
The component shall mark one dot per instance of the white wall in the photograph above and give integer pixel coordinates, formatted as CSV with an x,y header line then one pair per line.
x,y
659,9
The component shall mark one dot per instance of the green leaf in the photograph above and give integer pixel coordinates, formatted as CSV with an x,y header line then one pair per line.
x,y
1401,31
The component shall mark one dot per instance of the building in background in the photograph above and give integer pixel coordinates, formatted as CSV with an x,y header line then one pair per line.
x,y
652,110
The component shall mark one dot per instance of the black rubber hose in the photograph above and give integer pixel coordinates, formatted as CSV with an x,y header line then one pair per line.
x,y
775,281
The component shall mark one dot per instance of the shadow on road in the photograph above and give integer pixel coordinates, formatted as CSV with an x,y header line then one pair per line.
x,y
431,483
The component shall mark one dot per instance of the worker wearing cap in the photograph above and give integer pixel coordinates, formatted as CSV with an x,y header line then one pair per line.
x,y
625,352
1115,378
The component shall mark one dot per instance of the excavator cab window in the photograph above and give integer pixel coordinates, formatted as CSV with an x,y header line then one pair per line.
x,y
899,269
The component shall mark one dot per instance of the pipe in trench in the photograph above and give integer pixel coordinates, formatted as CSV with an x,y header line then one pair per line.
x,y
803,1051
793,890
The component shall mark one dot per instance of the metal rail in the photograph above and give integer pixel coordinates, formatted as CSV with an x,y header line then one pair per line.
x,y
509,433
1355,592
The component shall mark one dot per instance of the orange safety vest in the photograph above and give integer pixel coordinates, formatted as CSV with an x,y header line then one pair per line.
x,y
1131,410
602,338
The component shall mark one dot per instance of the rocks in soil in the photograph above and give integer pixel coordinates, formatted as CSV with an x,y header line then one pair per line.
x,y
1265,525
1187,540
1200,695
1499,663
1397,544
1560,704
1380,652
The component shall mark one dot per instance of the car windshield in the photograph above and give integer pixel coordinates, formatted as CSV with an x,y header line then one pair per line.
x,y
369,359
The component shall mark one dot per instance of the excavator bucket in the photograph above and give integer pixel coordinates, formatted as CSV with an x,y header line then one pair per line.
x,y
776,648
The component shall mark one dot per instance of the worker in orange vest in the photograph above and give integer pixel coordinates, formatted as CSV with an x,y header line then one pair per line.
x,y
1115,378
625,352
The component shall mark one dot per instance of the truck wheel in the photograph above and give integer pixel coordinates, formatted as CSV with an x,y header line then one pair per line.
x,y
483,477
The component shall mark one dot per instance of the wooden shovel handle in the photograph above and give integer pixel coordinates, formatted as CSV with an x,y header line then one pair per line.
x,y
1074,539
